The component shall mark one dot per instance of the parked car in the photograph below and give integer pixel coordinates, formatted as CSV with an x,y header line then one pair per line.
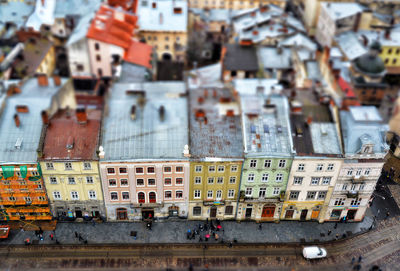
x,y
314,252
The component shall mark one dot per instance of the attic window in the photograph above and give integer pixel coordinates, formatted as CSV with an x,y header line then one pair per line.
x,y
253,129
144,3
22,109
154,5
266,129
177,10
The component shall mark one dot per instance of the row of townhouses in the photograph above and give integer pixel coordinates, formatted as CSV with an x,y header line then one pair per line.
x,y
248,151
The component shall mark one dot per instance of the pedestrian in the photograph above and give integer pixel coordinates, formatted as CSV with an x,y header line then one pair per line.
x,y
57,242
76,234
387,214
27,241
200,239
80,237
230,245
335,227
188,234
190,267
219,227
329,232
357,267
337,236
93,222
360,259
207,237
51,237
353,260
216,237
260,226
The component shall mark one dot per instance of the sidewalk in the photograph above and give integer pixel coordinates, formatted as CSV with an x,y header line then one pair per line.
x,y
175,232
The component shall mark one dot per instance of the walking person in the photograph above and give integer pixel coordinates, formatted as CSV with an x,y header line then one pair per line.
x,y
260,226
216,237
359,259
353,260
207,237
337,236
329,232
51,236
335,227
76,234
387,214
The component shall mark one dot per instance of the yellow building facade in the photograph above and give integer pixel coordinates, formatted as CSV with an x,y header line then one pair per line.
x,y
169,45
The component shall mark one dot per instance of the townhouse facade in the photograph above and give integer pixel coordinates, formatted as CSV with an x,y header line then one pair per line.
x,y
364,135
70,164
144,162
268,149
216,153
233,4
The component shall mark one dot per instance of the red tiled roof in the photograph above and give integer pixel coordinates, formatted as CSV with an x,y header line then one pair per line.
x,y
346,88
139,53
84,136
107,28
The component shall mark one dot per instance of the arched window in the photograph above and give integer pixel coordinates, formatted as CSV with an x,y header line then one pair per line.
x,y
141,197
152,197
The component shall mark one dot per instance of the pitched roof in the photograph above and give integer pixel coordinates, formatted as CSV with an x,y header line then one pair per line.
x,y
43,14
339,11
239,57
139,53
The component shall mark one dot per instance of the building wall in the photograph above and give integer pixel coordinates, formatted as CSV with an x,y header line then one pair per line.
x,y
232,4
162,205
78,55
101,58
390,56
59,28
164,43
318,205
326,28
48,63
82,186
205,202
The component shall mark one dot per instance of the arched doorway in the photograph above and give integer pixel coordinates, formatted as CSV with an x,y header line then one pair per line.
x,y
122,214
141,197
268,211
166,56
152,197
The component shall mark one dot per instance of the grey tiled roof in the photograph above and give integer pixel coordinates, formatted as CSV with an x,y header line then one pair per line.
x,y
240,58
271,58
146,137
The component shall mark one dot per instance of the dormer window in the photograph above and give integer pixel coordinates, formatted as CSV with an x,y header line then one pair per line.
x,y
367,149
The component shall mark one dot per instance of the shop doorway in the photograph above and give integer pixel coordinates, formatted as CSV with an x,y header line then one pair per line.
x,y
315,214
248,212
148,213
213,212
303,215
289,213
351,214
122,214
268,211
78,213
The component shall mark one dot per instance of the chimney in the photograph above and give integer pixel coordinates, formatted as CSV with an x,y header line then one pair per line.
x,y
253,14
309,120
200,100
387,34
279,50
45,117
81,115
214,94
178,10
133,112
200,114
161,18
57,80
17,121
205,93
186,152
101,152
264,9
70,143
161,112
255,32
22,109
42,80
230,113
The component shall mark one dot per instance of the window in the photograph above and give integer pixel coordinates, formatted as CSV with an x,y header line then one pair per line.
x,y
114,195
234,168
231,193
221,168
89,179
71,180
220,180
167,181
294,195
362,186
209,194
298,180
279,177
141,197
167,194
112,182
125,195
350,172
210,180
49,166
330,167
12,198
339,201
179,181
150,170
197,210
315,180
267,163
166,38
253,163
179,194
276,191
228,210
197,180
197,194
367,171
98,58
344,187
321,194
198,168
326,180
264,177
124,182
250,178
355,202
53,180
301,167
68,166
211,169
56,195
282,163
179,169
149,38
139,170
262,192
151,182
110,170
97,46
232,180
139,182
249,192
353,187
319,167
74,195
218,195
311,195
92,194
123,170
358,172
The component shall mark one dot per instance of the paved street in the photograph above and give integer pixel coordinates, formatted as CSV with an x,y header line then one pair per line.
x,y
384,201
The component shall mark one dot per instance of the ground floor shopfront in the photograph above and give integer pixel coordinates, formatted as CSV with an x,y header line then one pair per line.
x,y
78,209
202,210
303,211
259,210
138,212
347,213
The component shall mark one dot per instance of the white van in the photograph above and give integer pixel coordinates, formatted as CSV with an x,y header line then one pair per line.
x,y
314,252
